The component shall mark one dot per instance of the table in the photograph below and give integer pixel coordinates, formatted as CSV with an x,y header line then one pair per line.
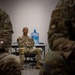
x,y
15,46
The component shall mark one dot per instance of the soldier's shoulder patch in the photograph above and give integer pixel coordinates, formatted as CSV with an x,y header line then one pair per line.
x,y
53,26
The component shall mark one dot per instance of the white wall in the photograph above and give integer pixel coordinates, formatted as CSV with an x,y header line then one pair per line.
x,y
30,13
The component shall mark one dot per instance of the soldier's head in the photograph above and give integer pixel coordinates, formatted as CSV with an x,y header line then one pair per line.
x,y
53,64
25,31
5,30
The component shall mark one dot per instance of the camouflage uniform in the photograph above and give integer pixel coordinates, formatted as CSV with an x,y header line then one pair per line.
x,y
9,64
28,47
61,39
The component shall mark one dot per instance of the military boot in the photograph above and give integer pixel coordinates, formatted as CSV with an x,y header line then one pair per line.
x,y
38,65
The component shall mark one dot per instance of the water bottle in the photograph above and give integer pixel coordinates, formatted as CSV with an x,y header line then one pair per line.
x,y
35,36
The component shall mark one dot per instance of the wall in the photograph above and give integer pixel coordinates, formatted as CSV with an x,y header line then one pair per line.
x,y
35,14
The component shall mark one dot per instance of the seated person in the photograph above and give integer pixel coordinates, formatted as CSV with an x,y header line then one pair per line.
x,y
26,45
61,39
9,63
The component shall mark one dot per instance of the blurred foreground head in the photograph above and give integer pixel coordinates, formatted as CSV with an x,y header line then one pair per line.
x,y
5,30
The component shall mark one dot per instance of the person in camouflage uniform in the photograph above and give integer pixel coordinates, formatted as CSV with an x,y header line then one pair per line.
x,y
9,64
61,39
26,45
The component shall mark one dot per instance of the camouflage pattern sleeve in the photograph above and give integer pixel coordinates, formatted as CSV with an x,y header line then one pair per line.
x,y
58,33
9,64
25,41
20,42
30,42
61,39
6,29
